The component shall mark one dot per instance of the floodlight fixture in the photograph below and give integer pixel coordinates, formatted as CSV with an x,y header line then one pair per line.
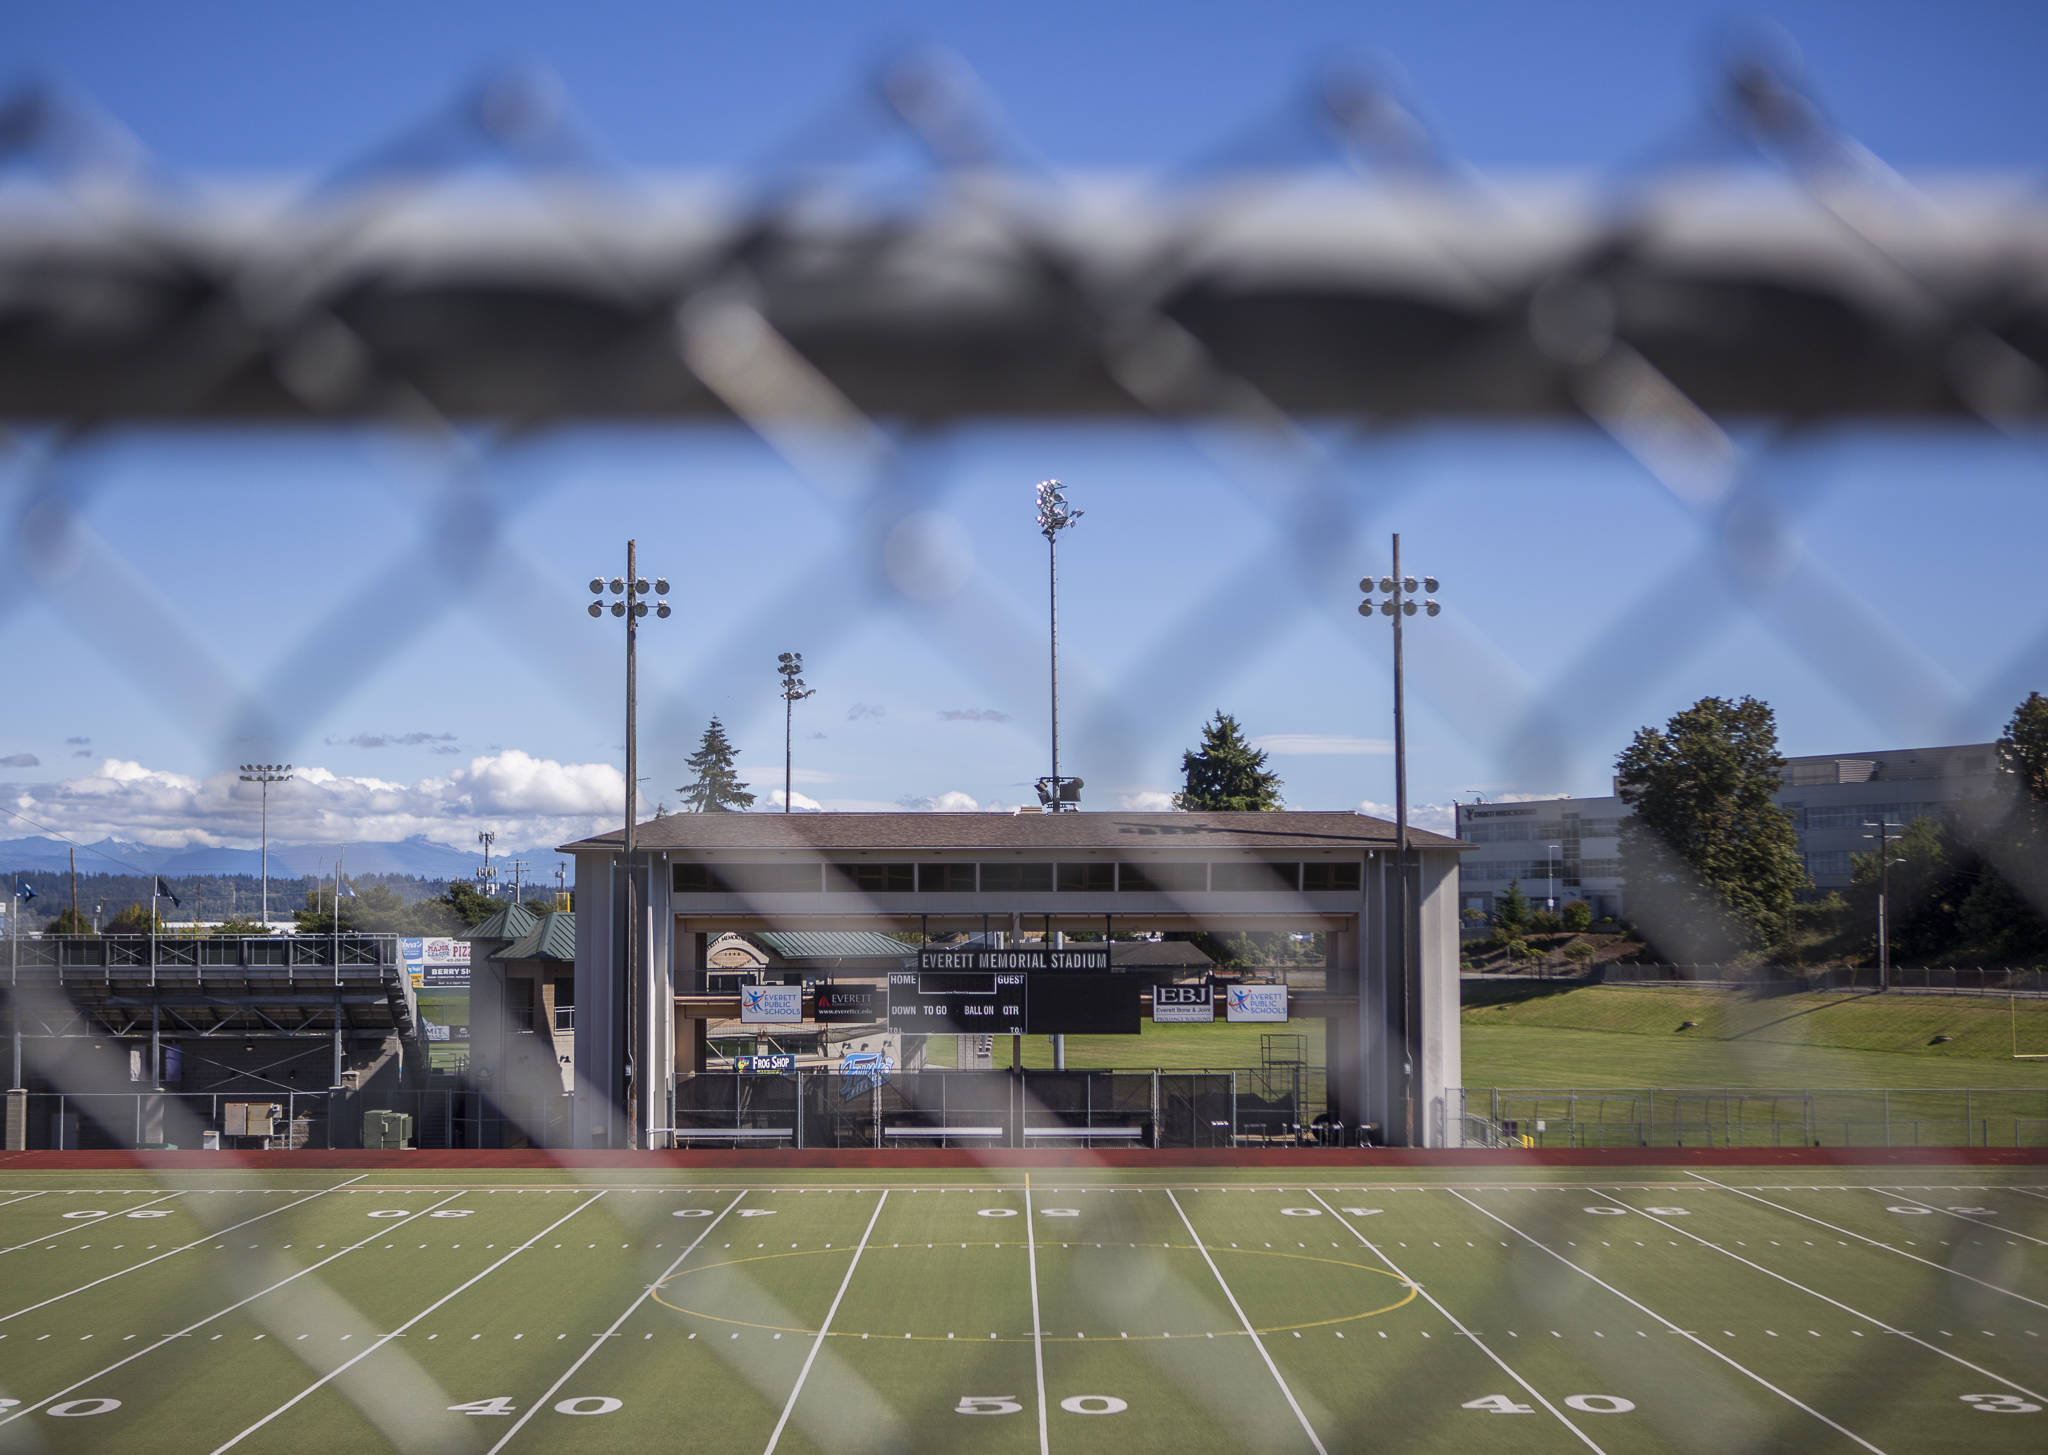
x,y
266,774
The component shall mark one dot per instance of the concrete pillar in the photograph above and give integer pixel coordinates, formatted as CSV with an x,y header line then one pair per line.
x,y
1340,1027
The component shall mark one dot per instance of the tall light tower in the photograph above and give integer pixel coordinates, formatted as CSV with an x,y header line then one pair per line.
x,y
1884,836
486,875
1399,604
791,666
266,774
644,1025
1054,516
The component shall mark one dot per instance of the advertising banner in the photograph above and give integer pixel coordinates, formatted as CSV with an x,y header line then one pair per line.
x,y
1179,1004
779,1005
774,1063
847,1004
435,961
1257,1003
1023,957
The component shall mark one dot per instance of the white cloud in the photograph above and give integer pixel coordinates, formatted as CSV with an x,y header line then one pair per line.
x,y
1436,818
1145,800
526,799
1320,745
951,801
798,802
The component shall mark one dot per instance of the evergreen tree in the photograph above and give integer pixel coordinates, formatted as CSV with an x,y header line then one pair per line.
x,y
2006,913
135,920
1710,862
1511,911
717,787
1228,775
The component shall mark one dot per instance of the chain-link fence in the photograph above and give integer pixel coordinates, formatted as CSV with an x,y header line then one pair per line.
x,y
1591,1117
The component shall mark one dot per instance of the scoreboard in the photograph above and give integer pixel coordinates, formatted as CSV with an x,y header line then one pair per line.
x,y
958,1002
1011,1003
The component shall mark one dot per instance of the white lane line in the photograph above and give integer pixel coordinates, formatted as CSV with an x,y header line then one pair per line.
x,y
1875,1243
383,1232
1685,1334
25,1197
1477,1343
1845,1308
599,1342
1037,1334
1949,1212
824,1328
2023,1191
196,1242
341,1369
1257,1343
72,1227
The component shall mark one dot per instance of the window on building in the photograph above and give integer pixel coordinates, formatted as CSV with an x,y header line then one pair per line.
x,y
946,878
1087,878
1016,878
1253,876
874,878
1330,874
1830,864
780,877
565,1002
1162,878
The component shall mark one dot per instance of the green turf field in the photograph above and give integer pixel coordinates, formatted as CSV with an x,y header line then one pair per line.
x,y
1182,1310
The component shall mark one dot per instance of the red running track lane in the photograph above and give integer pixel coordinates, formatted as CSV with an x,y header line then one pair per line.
x,y
1363,1159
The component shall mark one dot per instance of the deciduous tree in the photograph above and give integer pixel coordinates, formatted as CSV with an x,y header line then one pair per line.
x,y
1711,864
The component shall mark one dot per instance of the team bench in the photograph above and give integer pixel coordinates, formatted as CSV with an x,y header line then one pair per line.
x,y
1117,1134
728,1134
942,1133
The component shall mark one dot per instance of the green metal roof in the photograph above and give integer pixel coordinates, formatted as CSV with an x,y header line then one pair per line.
x,y
510,923
833,945
553,937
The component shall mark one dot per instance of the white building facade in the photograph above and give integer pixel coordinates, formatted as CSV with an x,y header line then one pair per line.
x,y
1561,849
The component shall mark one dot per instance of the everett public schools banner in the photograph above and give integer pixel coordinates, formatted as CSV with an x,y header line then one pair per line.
x,y
1183,1003
771,1004
1257,1003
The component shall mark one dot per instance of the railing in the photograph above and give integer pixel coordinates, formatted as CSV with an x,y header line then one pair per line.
x,y
69,953
1600,1117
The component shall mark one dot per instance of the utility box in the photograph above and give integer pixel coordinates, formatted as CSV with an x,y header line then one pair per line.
x,y
386,1130
250,1118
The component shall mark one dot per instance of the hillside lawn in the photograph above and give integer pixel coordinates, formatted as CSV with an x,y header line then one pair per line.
x,y
1629,1036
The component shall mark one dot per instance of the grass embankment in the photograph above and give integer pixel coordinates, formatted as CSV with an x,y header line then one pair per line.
x,y
1170,1048
1631,1036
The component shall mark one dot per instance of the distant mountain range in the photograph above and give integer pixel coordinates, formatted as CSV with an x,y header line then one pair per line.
x,y
416,856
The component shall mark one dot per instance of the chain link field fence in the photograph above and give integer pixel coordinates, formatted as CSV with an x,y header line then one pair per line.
x,y
1300,337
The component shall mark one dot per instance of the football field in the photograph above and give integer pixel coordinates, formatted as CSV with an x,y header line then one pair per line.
x,y
1179,1309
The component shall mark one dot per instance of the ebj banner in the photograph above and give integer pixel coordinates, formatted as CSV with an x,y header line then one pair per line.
x,y
1256,1003
1179,1004
778,1005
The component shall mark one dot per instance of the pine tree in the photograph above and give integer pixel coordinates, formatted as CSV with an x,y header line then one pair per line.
x,y
1710,861
1511,910
717,788
1228,775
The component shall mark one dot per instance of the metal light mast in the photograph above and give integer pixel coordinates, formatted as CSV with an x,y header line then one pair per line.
x,y
1054,516
791,666
266,774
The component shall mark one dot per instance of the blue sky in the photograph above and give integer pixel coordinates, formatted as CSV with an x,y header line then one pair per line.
x,y
1909,611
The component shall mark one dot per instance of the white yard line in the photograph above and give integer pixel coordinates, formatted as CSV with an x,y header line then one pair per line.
x,y
824,1328
1685,1334
1037,1329
1874,1242
383,1232
1952,1213
26,1196
1871,1319
1257,1343
341,1369
1431,1300
73,1227
599,1341
184,1247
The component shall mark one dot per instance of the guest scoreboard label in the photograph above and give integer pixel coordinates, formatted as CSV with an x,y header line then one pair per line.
x,y
958,1002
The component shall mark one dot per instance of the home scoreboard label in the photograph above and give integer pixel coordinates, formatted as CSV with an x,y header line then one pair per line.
x,y
847,1003
771,1004
957,1003
1183,1003
1256,1003
1071,958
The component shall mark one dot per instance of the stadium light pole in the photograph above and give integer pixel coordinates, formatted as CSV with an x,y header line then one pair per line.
x,y
1884,838
1054,516
643,1028
1400,602
1550,897
266,774
791,667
